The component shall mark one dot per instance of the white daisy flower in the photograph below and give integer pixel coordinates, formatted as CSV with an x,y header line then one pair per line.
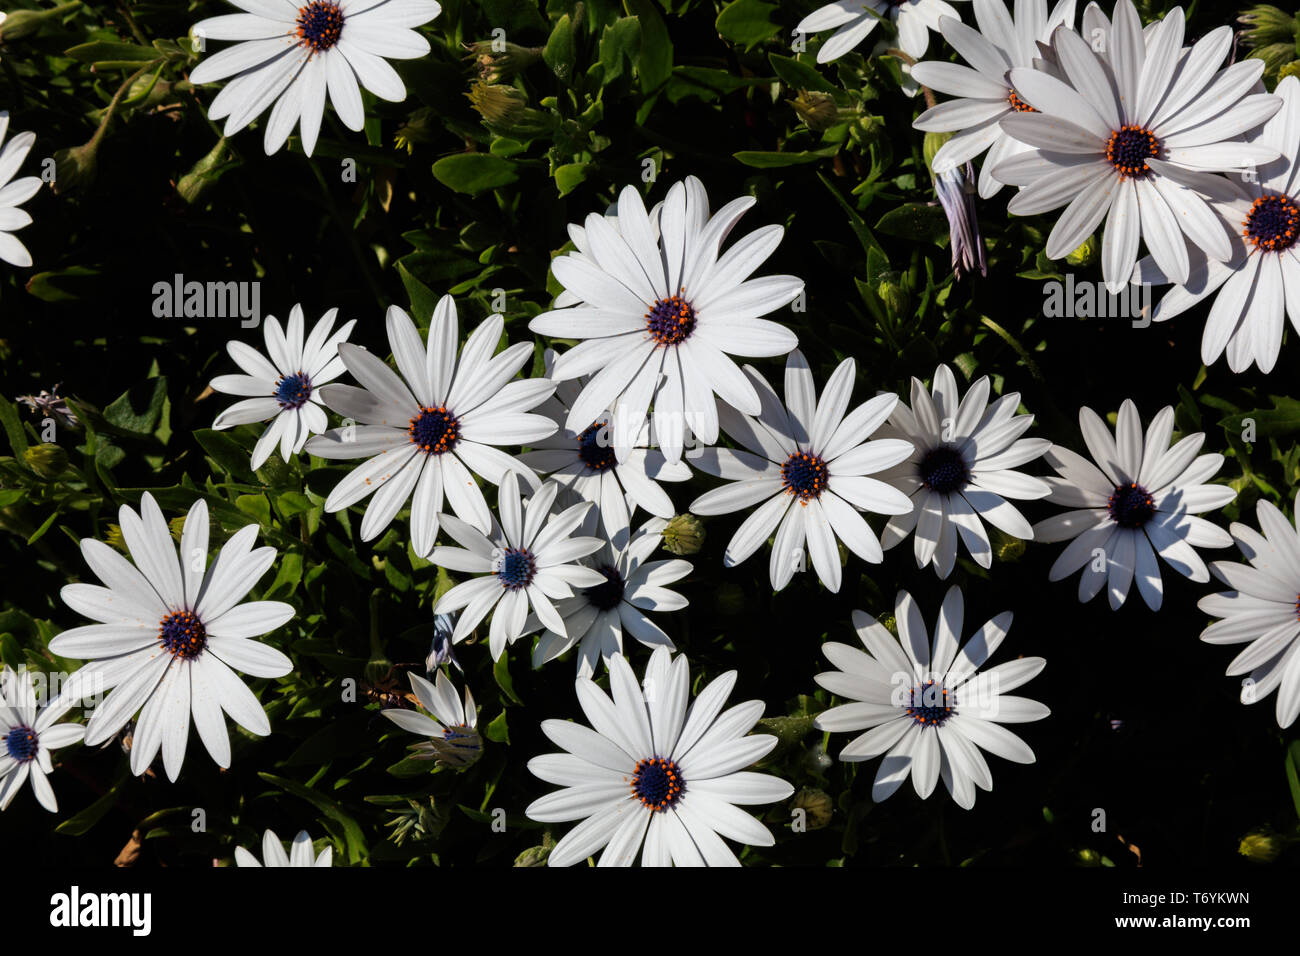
x,y
27,735
283,389
925,705
1116,139
985,95
651,771
805,464
853,21
525,561
583,462
169,634
301,853
453,735
1140,499
295,53
433,425
661,314
1259,285
1263,610
13,192
961,470
596,618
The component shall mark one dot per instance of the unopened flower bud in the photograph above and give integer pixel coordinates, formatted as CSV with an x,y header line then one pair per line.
x,y
502,65
75,167
932,143
1260,846
202,175
817,110
816,804
684,535
1086,254
47,460
498,104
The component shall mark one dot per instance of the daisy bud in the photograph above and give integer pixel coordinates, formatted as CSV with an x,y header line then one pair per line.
x,y
24,23
684,535
1087,857
75,168
114,539
1260,846
498,104
418,128
502,66
817,110
203,174
47,460
537,855
816,804
1008,548
1086,254
1267,24
932,143
1291,68
893,295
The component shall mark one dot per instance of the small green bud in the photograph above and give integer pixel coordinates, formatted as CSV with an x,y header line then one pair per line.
x,y
893,295
816,804
498,104
203,175
75,167
1289,69
21,24
817,110
537,855
1086,254
1267,24
1007,548
931,145
47,460
418,128
684,535
1260,846
1088,857
114,538
501,66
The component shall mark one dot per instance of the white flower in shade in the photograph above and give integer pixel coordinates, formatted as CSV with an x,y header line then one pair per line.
x,y
283,388
1259,286
301,853
1116,138
525,561
924,704
595,619
27,735
661,313
14,191
168,636
452,731
985,94
1140,499
806,465
584,462
961,470
1262,610
296,53
853,21
653,776
433,425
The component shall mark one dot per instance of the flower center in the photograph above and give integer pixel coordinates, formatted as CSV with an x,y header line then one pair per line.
x,y
1131,505
516,568
594,447
182,635
931,704
1128,150
943,470
606,596
1271,223
657,783
320,24
436,430
1017,104
805,475
292,391
671,321
21,743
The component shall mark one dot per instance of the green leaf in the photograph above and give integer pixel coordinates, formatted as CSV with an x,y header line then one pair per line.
x,y
654,61
914,220
423,299
61,285
620,41
1293,773
747,22
107,52
559,51
501,671
82,822
223,449
474,173
1282,419
569,176
13,428
761,159
356,839
122,411
498,731
798,75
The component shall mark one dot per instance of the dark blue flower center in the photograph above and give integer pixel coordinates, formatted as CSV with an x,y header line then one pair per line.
x,y
930,704
182,635
516,569
1272,222
657,783
594,447
943,470
436,430
1128,150
671,320
1131,505
21,743
292,391
320,24
805,475
606,596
